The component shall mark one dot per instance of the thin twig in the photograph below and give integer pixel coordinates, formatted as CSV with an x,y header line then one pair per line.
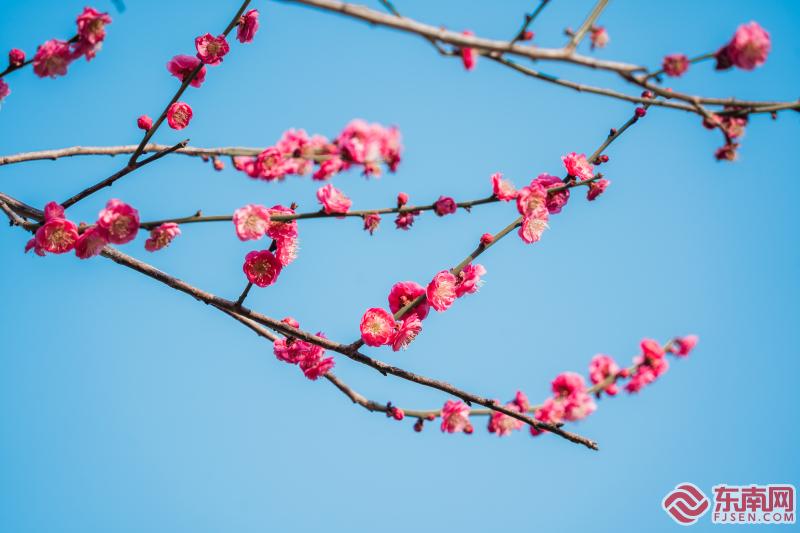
x,y
587,24
529,18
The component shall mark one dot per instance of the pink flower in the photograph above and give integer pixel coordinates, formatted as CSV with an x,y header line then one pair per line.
x,y
333,200
144,122
503,189
445,206
181,66
405,292
16,57
120,220
281,229
441,291
272,164
531,199
402,199
218,164
468,55
4,90
651,349
555,200
91,32
727,152
487,239
578,166
503,424
647,371
371,222
286,249
747,49
406,332
601,368
261,268
91,242
599,37
533,226
596,188
248,26
569,388
377,327
251,222
405,219
469,279
455,417
551,412
367,144
683,345
315,367
57,236
328,168
211,49
675,64
161,236
178,115
52,59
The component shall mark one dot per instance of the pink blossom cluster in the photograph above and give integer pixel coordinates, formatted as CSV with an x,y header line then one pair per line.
x,y
675,65
571,399
117,223
544,195
379,326
359,144
252,222
54,56
309,357
747,49
733,128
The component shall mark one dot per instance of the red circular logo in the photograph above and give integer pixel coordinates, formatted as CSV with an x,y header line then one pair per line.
x,y
686,504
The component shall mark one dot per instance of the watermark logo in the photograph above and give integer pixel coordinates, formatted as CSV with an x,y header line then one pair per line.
x,y
686,504
754,504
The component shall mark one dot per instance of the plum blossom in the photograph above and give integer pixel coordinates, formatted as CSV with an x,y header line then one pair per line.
x,y
178,115
455,417
406,331
675,64
445,206
4,90
533,226
555,200
469,279
570,389
52,59
596,188
531,199
441,291
405,219
371,222
503,424
91,242
681,346
57,235
181,66
599,37
144,123
251,222
377,326
649,365
261,268
333,200
16,57
551,412
405,292
211,49
602,367
161,236
578,166
278,229
91,32
308,356
503,189
248,26
120,220
469,56
747,49
368,144
487,239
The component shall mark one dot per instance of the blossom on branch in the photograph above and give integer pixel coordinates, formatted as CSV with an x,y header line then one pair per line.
x,y
455,417
181,66
161,236
120,220
178,115
251,222
261,268
675,64
405,292
441,291
211,49
248,26
333,200
747,49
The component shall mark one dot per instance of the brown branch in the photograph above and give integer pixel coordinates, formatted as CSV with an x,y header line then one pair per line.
x,y
109,181
494,49
529,18
577,37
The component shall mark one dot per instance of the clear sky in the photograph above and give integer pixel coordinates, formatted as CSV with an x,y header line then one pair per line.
x,y
126,406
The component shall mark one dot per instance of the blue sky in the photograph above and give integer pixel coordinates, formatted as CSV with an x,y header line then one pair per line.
x,y
127,406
